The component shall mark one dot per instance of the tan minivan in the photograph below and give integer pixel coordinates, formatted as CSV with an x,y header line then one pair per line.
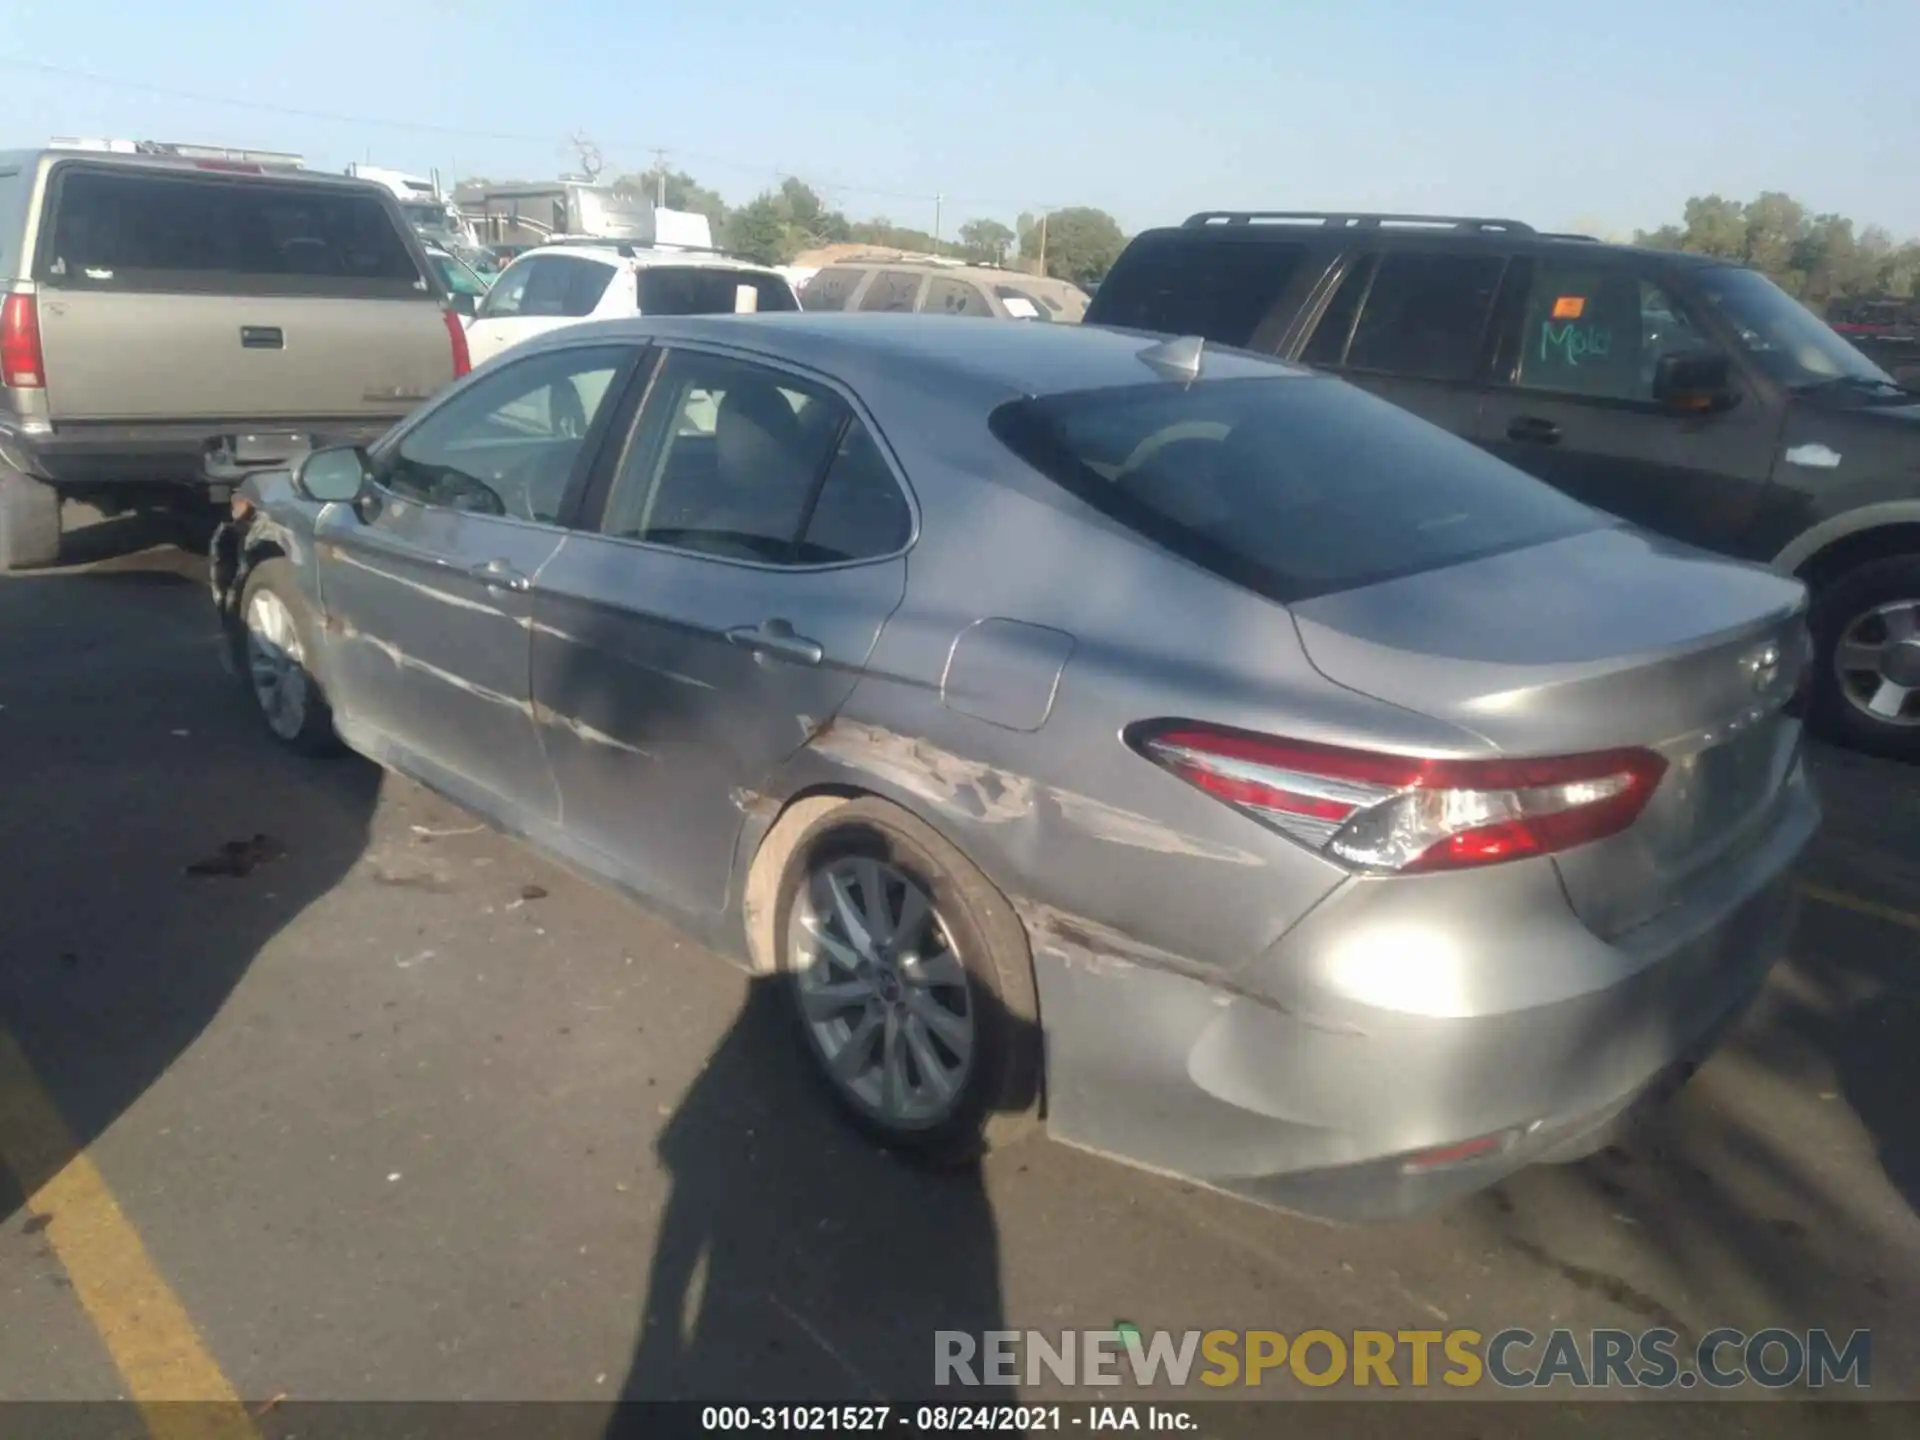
x,y
943,288
173,318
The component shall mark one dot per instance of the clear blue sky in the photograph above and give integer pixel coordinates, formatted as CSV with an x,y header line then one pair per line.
x,y
1609,113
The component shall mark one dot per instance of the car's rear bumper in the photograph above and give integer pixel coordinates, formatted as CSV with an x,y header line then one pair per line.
x,y
170,453
1334,1105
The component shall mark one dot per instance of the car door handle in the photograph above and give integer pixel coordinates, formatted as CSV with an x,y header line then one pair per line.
x,y
776,640
499,575
262,337
1534,431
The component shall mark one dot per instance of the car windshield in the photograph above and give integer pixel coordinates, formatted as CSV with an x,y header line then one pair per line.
x,y
1785,339
1294,486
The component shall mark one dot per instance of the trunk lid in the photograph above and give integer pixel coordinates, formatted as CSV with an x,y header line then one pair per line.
x,y
1605,639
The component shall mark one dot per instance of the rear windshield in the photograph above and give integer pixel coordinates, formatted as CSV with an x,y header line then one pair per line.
x,y
709,290
1293,487
1181,283
141,231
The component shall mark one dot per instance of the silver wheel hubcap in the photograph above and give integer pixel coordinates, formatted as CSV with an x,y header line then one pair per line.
x,y
276,663
1878,663
882,991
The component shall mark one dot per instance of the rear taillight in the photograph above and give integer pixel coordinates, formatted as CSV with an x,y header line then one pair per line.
x,y
1409,814
457,336
21,365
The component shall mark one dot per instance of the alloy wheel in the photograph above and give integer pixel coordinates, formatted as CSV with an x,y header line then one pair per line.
x,y
882,991
276,664
1877,662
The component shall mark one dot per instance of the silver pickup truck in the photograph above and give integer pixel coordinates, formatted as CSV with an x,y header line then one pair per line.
x,y
174,318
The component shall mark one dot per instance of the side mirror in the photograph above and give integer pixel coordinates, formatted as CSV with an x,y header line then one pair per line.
x,y
1694,382
337,473
465,305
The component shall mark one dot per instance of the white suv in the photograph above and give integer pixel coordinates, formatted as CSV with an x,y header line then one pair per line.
x,y
564,284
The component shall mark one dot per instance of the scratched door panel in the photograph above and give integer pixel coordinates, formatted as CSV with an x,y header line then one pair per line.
x,y
431,651
657,724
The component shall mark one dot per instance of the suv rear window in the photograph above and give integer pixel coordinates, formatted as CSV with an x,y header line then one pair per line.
x,y
137,231
1294,486
1180,283
708,290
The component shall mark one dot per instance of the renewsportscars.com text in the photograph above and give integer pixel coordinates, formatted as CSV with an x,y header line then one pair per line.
x,y
1508,1359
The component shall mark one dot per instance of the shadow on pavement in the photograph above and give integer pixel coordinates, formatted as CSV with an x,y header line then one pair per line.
x,y
130,756
1728,1207
795,1260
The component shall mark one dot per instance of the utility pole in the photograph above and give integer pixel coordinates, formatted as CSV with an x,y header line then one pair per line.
x,y
660,178
936,222
1043,242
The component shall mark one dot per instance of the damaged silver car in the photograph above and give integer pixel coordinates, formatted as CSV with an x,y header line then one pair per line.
x,y
1250,779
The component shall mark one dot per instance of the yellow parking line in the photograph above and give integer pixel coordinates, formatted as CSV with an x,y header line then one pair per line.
x,y
158,1352
1840,900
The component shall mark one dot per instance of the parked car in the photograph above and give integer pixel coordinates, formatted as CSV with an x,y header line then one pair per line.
x,y
943,288
1681,393
557,285
1886,331
1361,818
171,322
466,287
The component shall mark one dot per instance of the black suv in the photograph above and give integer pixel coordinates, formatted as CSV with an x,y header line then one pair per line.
x,y
1682,394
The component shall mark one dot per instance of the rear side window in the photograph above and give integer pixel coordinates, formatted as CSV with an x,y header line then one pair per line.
x,y
1184,284
133,231
1292,487
891,290
710,290
830,289
1426,314
1328,344
954,297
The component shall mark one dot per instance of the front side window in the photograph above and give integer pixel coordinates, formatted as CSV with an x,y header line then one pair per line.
x,y
1599,331
1784,338
552,287
1294,486
1426,314
891,290
741,462
1022,305
508,444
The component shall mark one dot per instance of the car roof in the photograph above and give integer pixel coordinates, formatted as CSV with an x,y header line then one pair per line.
x,y
609,254
1521,242
877,350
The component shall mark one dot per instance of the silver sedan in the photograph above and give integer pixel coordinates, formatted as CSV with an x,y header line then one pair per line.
x,y
1253,780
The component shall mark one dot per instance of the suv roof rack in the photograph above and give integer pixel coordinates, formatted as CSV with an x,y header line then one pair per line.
x,y
1569,235
170,150
1363,220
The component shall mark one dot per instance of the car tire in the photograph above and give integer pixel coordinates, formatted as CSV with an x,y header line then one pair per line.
x,y
994,1098
276,650
1844,611
29,521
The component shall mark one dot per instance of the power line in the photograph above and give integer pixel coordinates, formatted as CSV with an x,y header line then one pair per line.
x,y
461,132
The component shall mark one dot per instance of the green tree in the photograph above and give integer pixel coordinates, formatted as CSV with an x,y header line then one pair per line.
x,y
1081,243
777,225
757,232
986,241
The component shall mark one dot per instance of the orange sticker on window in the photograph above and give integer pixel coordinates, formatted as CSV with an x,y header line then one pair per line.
x,y
1569,307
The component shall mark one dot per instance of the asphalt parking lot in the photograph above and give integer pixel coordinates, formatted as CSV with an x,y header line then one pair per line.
x,y
390,1108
